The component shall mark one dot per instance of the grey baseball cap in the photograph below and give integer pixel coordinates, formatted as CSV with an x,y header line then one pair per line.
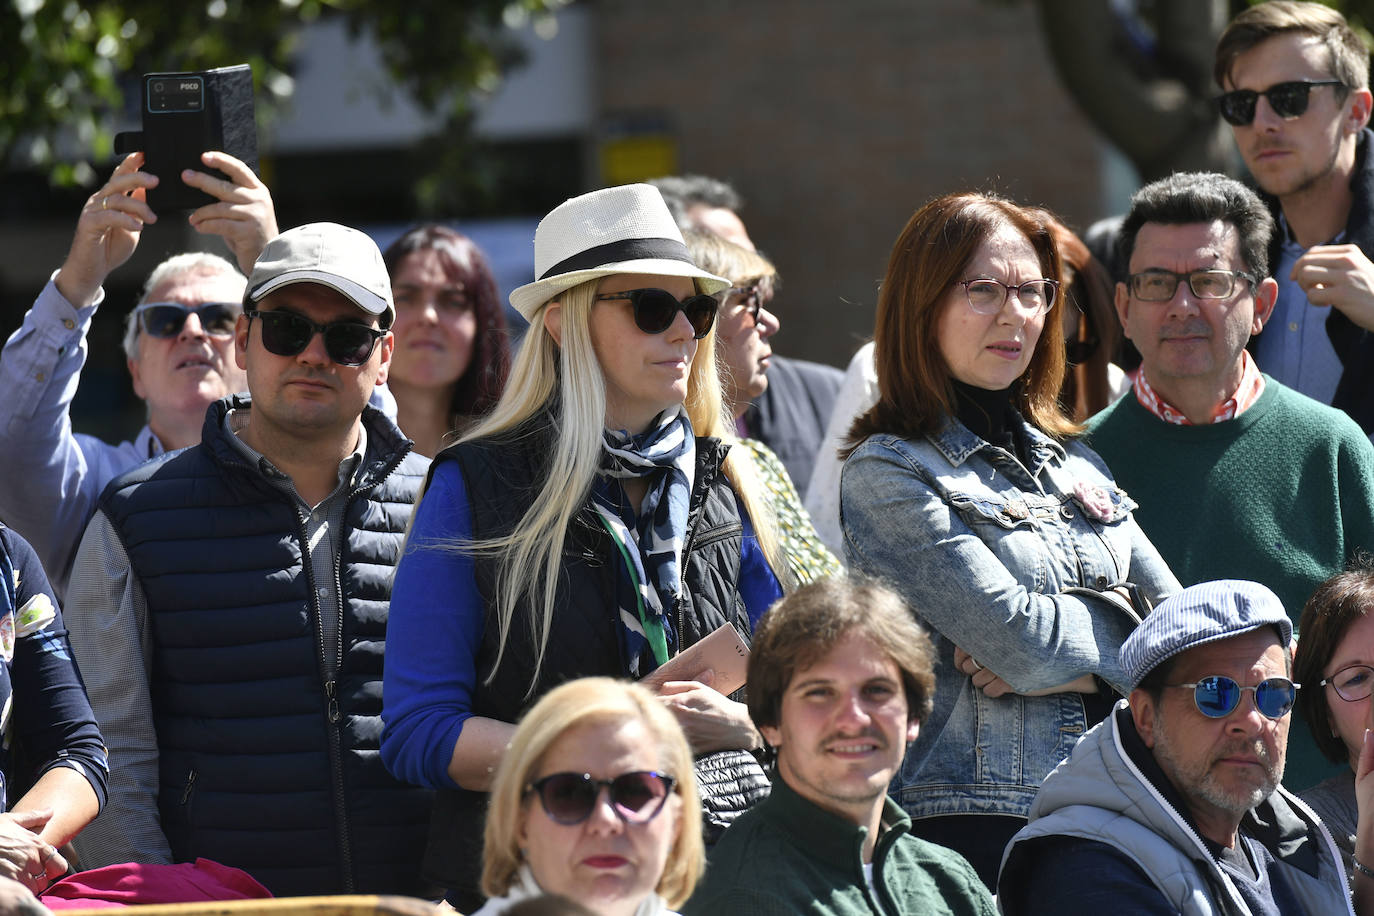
x,y
332,255
1200,614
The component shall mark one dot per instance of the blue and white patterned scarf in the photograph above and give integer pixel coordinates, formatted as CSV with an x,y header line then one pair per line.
x,y
651,545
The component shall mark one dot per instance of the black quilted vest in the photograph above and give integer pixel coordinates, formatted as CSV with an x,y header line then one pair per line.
x,y
267,750
501,477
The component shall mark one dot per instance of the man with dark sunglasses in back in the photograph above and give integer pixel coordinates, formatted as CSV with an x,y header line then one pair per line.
x,y
1295,89
179,342
1173,804
228,603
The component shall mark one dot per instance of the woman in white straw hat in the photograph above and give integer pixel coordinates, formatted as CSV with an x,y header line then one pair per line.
x,y
580,529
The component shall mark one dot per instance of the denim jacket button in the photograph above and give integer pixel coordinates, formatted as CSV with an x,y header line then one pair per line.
x,y
1101,583
1066,511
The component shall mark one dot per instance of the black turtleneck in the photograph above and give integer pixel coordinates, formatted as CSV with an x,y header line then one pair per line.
x,y
991,416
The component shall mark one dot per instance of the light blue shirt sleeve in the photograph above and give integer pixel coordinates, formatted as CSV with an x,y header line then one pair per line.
x,y
434,631
53,476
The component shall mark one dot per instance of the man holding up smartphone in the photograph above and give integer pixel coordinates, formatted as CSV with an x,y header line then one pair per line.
x,y
179,343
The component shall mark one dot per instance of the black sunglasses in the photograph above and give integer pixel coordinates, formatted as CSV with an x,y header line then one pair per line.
x,y
751,297
1289,100
655,310
348,343
166,319
1217,697
570,798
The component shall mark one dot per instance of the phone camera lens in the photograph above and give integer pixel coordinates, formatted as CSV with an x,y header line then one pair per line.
x,y
157,87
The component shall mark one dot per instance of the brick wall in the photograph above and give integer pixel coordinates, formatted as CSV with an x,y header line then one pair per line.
x,y
836,120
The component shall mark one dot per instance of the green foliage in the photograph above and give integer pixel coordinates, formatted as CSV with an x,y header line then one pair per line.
x,y
67,66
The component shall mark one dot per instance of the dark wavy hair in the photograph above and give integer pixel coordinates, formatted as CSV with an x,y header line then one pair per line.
x,y
801,628
463,262
1334,607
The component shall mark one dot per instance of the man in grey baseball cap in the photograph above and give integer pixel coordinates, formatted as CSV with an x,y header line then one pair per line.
x,y
229,602
1173,804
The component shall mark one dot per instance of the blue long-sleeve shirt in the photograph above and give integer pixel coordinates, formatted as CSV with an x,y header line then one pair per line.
x,y
50,716
435,628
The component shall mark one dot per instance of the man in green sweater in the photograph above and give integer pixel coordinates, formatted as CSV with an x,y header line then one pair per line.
x,y
840,676
1237,476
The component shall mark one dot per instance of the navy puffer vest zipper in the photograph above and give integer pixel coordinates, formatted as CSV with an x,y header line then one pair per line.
x,y
267,749
502,477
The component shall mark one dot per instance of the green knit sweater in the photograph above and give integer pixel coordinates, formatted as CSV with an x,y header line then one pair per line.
x,y
1282,494
787,856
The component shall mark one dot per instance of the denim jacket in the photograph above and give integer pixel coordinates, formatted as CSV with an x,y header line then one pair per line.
x,y
1005,562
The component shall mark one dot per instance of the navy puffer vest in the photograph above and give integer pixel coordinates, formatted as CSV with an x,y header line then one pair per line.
x,y
502,477
267,749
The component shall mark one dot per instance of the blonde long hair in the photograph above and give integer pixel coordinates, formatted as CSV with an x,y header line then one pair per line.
x,y
530,556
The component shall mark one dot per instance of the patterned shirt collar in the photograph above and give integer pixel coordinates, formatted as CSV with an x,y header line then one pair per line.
x,y
1247,393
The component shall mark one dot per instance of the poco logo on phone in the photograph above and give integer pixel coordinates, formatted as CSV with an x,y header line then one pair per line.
x,y
180,94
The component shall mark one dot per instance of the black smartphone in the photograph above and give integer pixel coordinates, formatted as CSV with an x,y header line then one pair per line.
x,y
186,114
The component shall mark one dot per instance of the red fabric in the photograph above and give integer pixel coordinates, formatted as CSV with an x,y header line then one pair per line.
x,y
1247,393
131,883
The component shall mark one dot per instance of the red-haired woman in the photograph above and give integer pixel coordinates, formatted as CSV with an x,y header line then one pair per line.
x,y
966,491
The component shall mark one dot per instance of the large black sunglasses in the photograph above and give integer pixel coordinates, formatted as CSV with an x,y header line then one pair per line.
x,y
751,297
1289,100
570,798
1217,697
655,310
166,319
348,343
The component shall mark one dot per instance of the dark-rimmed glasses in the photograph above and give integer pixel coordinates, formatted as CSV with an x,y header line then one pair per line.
x,y
1217,696
166,319
1158,285
656,308
751,299
1352,683
348,343
1289,100
987,296
570,798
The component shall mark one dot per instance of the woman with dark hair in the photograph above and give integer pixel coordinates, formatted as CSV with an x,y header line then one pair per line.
x,y
1092,332
1335,666
451,356
1092,380
965,490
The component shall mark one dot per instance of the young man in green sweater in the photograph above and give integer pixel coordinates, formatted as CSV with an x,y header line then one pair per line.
x,y
1237,476
840,676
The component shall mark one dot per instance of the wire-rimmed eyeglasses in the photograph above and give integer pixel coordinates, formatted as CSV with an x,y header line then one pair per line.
x,y
987,296
1158,285
1218,696
1352,683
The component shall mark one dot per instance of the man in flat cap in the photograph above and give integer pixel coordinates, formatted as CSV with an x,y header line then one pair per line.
x,y
228,604
1173,804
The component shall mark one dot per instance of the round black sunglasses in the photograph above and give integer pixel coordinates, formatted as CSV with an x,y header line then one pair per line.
x,y
166,319
656,308
570,798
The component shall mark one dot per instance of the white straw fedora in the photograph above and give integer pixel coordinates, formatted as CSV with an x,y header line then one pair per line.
x,y
621,230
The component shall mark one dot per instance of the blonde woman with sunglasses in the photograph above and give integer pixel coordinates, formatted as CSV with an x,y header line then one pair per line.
x,y
588,526
595,800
